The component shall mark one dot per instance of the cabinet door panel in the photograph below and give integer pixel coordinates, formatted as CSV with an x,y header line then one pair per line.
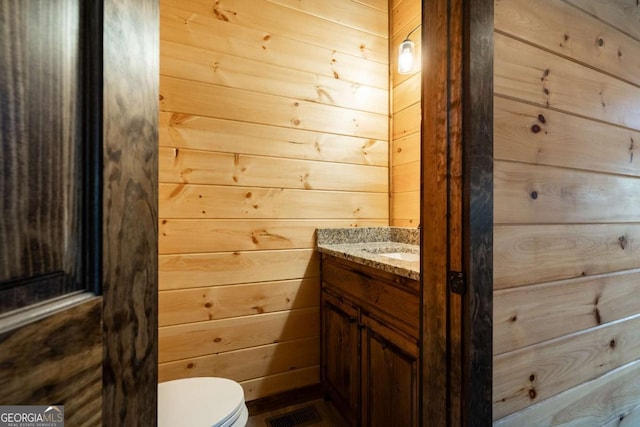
x,y
389,386
341,367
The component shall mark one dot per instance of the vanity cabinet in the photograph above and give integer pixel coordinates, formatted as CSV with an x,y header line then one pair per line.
x,y
370,321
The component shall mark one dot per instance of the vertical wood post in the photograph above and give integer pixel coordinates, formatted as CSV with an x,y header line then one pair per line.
x,y
434,211
478,211
130,278
457,211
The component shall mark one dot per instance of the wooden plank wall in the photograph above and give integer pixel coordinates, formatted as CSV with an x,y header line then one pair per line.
x,y
274,122
405,112
567,217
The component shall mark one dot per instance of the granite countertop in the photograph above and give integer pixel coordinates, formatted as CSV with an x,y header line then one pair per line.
x,y
367,246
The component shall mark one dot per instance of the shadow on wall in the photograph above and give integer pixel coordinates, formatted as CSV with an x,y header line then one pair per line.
x,y
264,335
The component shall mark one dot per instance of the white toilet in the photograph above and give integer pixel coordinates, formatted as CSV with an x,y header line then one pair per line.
x,y
201,402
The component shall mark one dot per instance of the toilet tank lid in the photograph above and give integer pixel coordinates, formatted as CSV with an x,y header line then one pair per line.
x,y
206,401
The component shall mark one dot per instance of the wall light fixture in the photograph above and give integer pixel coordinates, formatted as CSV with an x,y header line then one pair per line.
x,y
406,55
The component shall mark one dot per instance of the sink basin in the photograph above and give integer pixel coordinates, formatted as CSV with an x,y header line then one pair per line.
x,y
404,256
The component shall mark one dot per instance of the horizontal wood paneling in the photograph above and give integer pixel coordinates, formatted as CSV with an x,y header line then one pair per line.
x,y
249,363
369,16
220,302
568,31
629,418
274,384
399,222
181,236
406,149
216,269
274,122
416,37
406,117
272,19
566,284
526,254
382,5
536,135
546,369
205,133
535,75
406,206
406,122
182,26
209,66
610,398
186,96
622,14
541,194
208,201
523,316
215,336
232,169
403,15
406,177
407,93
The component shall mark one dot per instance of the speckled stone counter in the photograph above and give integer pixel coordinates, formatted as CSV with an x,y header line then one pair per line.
x,y
367,246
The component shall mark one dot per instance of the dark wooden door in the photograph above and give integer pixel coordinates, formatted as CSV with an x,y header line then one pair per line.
x,y
78,208
390,377
341,363
50,337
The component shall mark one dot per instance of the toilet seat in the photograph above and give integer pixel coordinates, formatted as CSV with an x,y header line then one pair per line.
x,y
201,401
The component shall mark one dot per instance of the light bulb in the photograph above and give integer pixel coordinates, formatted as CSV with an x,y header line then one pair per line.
x,y
405,57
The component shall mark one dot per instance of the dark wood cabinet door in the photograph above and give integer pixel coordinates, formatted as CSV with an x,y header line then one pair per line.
x,y
389,376
341,367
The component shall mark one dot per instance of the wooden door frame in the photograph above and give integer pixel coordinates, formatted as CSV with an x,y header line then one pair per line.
x,y
457,212
131,74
